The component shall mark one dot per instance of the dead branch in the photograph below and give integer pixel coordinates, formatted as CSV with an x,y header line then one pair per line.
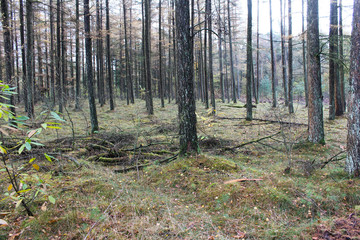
x,y
333,159
251,142
265,120
242,180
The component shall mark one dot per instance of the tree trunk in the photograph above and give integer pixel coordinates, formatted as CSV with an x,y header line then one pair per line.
x,y
353,138
211,73
339,109
58,57
23,56
187,117
257,53
249,64
221,55
315,110
290,98
205,66
8,49
273,69
231,54
29,57
161,84
100,54
77,53
306,87
283,58
341,58
89,69
109,77
149,99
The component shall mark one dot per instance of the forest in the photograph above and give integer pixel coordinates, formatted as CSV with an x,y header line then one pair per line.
x,y
178,119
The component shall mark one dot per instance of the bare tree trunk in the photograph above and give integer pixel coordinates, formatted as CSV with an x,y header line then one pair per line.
x,y
8,49
249,63
315,110
290,98
273,69
149,100
205,66
211,73
341,58
283,58
257,53
188,135
58,57
29,57
100,54
89,69
220,55
23,56
161,84
339,109
109,77
304,55
353,139
231,54
77,53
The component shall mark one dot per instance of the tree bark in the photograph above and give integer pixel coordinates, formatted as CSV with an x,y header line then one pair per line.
x,y
306,85
353,138
187,117
231,54
249,64
77,56
273,69
341,58
283,58
108,55
161,83
290,97
29,57
211,72
149,99
89,69
315,110
23,55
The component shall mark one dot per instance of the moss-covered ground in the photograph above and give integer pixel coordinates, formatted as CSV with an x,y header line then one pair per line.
x,y
298,192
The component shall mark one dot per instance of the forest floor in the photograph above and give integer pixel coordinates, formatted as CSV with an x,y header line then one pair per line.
x,y
252,180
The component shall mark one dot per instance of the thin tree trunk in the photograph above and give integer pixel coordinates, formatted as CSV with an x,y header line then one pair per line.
x,y
231,54
273,69
249,64
341,58
23,56
109,77
220,55
149,100
58,57
304,55
89,69
257,52
77,56
161,84
30,57
315,109
290,98
283,58
333,38
211,73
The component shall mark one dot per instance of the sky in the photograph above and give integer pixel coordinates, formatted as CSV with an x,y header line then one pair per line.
x,y
324,12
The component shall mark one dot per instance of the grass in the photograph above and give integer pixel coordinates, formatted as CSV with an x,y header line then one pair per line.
x,y
187,198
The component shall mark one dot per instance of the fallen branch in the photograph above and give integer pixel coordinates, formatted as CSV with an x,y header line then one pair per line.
x,y
333,159
242,180
236,106
251,142
136,167
265,120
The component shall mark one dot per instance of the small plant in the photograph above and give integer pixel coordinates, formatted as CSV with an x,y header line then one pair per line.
x,y
24,186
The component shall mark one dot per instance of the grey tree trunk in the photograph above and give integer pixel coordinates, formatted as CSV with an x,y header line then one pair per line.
x,y
257,52
221,55
77,56
249,64
231,54
306,85
8,49
108,55
149,100
30,57
23,55
100,54
353,138
211,72
315,110
58,57
273,69
89,69
283,58
341,58
161,84
127,59
290,97
187,117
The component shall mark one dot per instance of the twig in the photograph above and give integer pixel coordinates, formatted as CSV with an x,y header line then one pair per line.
x,y
242,180
333,159
265,120
253,141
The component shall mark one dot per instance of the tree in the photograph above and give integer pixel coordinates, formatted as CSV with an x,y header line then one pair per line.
x,y
353,138
7,49
187,116
273,69
161,84
249,64
29,57
77,56
335,107
100,54
147,45
23,56
315,110
341,58
108,56
283,57
231,54
211,74
89,69
220,30
290,97
304,55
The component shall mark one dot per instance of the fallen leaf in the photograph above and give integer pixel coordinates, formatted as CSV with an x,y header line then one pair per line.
x,y
242,180
3,223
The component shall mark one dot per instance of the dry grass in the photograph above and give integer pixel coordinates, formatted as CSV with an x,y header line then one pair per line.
x,y
187,198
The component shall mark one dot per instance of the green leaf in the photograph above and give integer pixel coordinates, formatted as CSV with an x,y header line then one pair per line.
x,y
3,170
48,157
2,150
56,116
28,146
21,149
37,144
22,118
54,127
52,199
24,190
18,203
44,125
31,160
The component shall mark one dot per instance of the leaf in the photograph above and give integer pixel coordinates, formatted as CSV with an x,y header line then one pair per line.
x,y
43,207
54,127
2,150
28,145
52,199
3,223
24,190
31,160
36,167
10,187
44,125
37,144
56,116
48,157
18,203
21,149
31,133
